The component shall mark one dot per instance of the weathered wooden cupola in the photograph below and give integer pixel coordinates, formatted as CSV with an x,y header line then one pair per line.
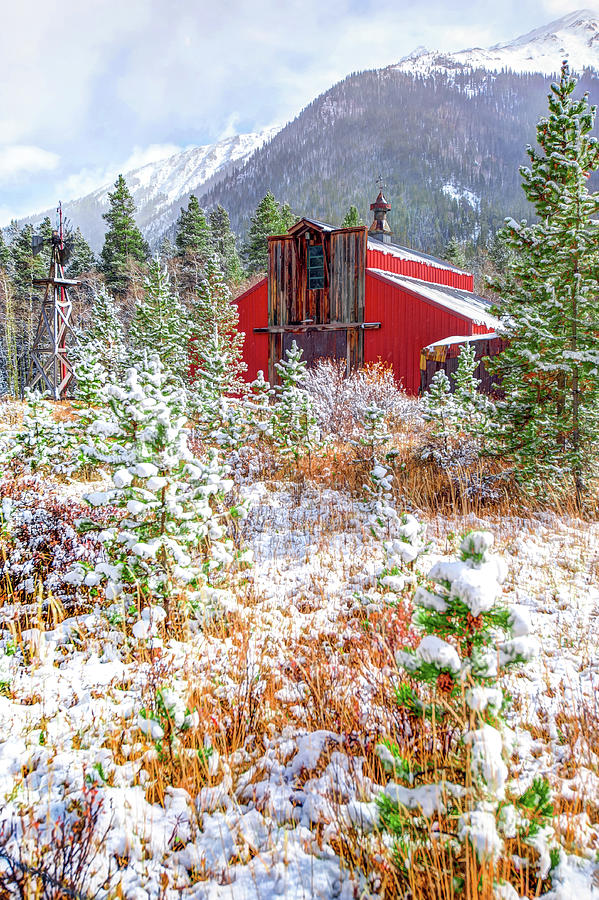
x,y
380,229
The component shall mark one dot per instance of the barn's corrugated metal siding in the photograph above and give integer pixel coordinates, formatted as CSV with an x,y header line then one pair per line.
x,y
378,259
253,313
408,323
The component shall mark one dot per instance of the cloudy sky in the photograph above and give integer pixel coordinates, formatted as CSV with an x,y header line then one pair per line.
x,y
89,88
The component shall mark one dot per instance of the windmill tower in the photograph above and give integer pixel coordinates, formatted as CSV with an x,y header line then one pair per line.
x,y
50,369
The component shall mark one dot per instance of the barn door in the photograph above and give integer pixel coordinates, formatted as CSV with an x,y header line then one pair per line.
x,y
318,344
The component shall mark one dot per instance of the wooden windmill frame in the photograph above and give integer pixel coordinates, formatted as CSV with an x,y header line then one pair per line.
x,y
50,369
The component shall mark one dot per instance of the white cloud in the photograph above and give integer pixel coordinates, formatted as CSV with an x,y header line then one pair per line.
x,y
17,159
87,180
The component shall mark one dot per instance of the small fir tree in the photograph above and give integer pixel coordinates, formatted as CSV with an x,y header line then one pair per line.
x,y
450,771
270,218
172,540
224,245
214,312
123,241
193,233
438,407
294,423
160,324
82,258
548,420
352,218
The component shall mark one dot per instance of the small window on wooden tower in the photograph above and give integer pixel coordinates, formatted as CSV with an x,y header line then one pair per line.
x,y
315,268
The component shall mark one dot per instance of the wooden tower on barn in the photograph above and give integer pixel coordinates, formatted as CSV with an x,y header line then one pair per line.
x,y
50,369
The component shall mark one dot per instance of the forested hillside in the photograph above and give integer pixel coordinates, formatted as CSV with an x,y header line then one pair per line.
x,y
447,146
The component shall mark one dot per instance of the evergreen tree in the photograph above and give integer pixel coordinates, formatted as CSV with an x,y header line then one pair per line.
x,y
352,218
82,256
160,324
193,243
123,242
213,310
24,265
167,250
548,421
105,330
223,244
193,234
270,218
5,257
172,540
294,425
449,766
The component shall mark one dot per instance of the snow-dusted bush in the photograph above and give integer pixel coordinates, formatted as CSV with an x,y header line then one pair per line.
x,y
340,400
168,530
40,543
450,777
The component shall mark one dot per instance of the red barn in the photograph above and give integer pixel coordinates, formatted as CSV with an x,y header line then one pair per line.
x,y
351,294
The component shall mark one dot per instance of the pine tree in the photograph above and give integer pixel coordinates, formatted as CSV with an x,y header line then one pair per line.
x,y
172,539
449,767
5,258
352,218
193,234
160,324
438,407
167,250
471,408
294,421
82,256
270,218
223,244
106,330
123,242
24,265
213,311
548,421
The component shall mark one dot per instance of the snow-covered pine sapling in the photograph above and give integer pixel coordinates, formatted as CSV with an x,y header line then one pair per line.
x,y
165,721
160,325
471,408
40,442
450,778
294,423
406,545
379,487
90,376
170,538
438,407
220,418
258,409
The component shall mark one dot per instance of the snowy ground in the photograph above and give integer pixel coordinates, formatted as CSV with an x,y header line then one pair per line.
x,y
296,683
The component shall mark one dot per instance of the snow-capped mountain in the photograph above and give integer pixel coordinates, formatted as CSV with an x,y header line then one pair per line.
x,y
160,188
574,37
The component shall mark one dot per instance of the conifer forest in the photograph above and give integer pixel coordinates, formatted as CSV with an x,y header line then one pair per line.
x,y
310,635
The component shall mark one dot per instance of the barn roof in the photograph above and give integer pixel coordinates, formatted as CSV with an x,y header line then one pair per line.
x,y
462,303
413,255
462,339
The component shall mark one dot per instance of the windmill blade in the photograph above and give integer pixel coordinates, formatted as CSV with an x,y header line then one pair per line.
x,y
37,243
